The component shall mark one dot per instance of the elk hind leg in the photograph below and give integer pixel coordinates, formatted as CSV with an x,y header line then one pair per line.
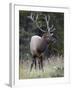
x,y
39,64
33,62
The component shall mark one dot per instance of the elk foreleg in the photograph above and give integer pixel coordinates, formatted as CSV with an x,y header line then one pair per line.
x,y
41,63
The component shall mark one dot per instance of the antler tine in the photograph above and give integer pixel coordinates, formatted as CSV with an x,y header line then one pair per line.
x,y
36,17
50,29
31,17
53,29
47,19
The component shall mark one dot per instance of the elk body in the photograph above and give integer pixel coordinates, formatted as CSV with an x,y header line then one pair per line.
x,y
37,47
38,44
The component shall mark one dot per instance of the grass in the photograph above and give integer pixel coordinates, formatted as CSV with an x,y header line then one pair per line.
x,y
53,68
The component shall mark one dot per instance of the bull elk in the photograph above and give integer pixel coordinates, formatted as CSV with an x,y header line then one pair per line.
x,y
38,44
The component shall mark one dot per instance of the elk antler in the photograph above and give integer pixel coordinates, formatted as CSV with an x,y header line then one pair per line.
x,y
46,18
31,17
35,20
38,25
49,29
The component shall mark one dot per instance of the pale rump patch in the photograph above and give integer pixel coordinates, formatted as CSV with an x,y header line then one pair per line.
x,y
35,42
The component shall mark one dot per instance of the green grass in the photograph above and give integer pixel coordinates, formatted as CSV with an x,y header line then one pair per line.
x,y
55,68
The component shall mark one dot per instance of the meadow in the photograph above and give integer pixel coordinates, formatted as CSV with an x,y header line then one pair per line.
x,y
53,67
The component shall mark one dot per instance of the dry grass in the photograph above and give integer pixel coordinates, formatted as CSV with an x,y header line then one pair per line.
x,y
53,68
